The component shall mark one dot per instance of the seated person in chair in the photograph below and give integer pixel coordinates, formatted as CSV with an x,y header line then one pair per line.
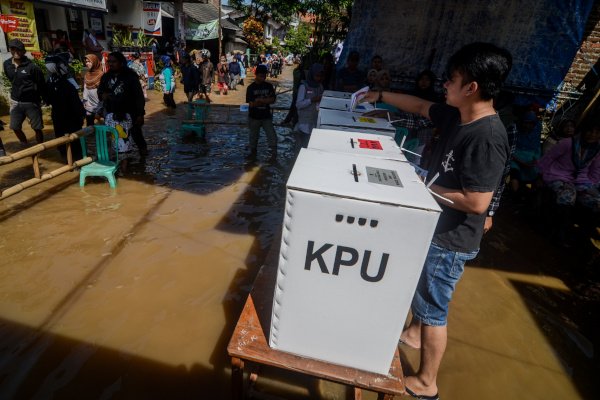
x,y
571,169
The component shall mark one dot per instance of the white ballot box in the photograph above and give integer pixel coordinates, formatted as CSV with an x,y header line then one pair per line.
x,y
335,103
362,144
333,119
337,95
356,232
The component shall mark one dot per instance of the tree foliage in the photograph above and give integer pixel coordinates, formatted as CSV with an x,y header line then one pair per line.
x,y
253,33
297,39
331,17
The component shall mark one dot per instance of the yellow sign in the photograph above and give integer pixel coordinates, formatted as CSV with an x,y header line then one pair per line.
x,y
366,119
26,32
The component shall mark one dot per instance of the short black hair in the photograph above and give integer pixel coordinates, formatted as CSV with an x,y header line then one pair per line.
x,y
484,63
376,57
119,57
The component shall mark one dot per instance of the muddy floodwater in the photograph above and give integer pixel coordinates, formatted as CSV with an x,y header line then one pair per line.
x,y
133,293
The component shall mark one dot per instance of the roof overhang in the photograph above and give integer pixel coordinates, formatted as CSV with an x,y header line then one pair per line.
x,y
96,5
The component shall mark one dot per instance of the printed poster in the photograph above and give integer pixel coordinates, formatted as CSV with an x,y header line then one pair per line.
x,y
26,32
195,31
151,18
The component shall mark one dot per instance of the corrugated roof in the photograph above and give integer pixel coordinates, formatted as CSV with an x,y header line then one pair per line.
x,y
204,13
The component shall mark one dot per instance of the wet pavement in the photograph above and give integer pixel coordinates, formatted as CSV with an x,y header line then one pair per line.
x,y
133,293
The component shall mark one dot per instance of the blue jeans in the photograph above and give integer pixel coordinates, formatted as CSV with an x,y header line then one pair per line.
x,y
442,269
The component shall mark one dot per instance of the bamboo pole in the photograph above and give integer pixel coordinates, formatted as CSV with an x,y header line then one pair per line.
x,y
35,181
31,151
34,153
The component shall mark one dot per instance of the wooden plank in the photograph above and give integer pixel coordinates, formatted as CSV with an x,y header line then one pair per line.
x,y
249,342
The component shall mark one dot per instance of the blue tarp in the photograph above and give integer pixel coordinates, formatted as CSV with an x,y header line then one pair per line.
x,y
413,35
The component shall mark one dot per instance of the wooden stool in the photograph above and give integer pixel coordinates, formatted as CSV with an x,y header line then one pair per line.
x,y
249,344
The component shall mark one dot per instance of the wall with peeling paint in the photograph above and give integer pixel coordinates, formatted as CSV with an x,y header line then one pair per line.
x,y
413,35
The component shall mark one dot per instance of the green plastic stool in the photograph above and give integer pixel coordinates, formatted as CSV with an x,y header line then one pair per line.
x,y
103,166
196,114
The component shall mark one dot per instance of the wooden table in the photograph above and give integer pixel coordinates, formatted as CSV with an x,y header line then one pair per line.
x,y
249,344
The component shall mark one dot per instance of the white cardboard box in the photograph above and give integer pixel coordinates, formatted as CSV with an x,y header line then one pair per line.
x,y
335,103
337,94
357,143
333,119
356,231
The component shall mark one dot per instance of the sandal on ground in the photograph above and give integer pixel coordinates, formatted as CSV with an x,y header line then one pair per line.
x,y
421,396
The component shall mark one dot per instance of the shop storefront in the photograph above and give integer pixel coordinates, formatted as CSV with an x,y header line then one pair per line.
x,y
53,17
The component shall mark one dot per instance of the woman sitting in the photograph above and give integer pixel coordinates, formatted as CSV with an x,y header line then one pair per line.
x,y
571,169
565,129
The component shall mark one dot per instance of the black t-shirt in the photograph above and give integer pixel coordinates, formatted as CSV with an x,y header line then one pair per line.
x,y
471,157
257,91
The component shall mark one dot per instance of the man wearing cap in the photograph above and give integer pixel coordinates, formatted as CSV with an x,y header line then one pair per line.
x,y
28,89
206,77
259,96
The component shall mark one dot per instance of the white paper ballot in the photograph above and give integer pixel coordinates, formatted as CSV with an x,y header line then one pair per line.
x,y
357,96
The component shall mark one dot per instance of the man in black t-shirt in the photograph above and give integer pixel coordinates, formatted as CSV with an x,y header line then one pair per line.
x,y
28,89
466,166
259,95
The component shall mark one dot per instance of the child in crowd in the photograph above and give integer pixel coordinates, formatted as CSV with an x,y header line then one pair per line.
x,y
167,79
377,63
307,103
372,79
223,75
122,122
242,69
259,96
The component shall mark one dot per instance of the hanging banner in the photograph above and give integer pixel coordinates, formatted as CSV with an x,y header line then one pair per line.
x,y
151,18
195,31
26,31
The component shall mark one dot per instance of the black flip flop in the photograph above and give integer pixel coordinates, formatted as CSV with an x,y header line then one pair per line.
x,y
421,396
